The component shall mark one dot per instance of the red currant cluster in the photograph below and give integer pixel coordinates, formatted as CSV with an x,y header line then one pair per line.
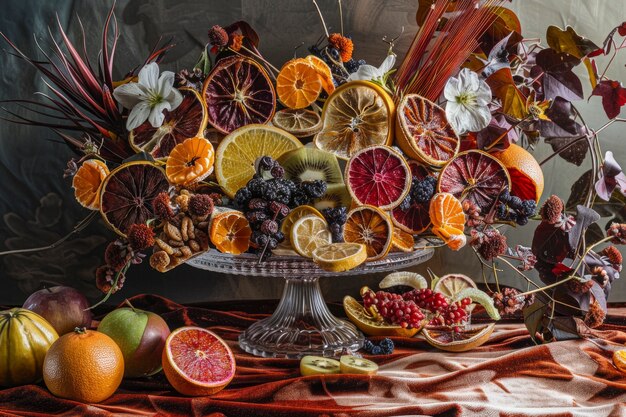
x,y
394,309
406,310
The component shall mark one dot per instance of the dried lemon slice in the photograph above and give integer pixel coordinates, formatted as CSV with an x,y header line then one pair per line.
x,y
338,257
309,233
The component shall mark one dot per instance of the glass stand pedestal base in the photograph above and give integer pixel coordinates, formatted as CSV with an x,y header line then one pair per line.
x,y
301,325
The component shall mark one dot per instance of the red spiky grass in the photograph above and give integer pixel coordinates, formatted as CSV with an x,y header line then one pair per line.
x,y
437,53
81,103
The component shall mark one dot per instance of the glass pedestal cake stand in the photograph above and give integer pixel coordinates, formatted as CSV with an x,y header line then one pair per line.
x,y
302,324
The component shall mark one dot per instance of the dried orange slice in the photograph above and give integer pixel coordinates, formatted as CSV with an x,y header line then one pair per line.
x,y
402,241
448,219
237,152
445,338
524,170
87,182
370,226
299,122
187,120
619,359
370,325
190,161
423,132
127,192
323,71
378,176
357,115
238,92
230,232
298,84
296,214
474,175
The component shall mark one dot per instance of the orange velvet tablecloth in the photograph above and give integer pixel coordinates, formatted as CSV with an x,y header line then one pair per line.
x,y
509,376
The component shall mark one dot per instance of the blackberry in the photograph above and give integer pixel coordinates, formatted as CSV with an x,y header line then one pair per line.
x,y
257,204
335,214
505,196
257,187
334,53
272,243
528,208
515,202
368,345
423,190
299,198
387,346
279,236
406,203
521,220
269,227
361,62
314,189
351,66
242,196
501,211
256,216
277,190
259,239
278,171
377,350
266,163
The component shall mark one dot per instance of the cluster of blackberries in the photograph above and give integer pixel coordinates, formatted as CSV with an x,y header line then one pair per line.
x,y
336,218
268,198
422,191
385,347
512,208
329,54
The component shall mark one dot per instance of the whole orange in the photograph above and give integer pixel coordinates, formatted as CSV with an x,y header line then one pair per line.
x,y
524,170
84,365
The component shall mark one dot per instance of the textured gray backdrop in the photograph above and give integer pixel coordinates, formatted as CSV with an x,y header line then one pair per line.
x,y
37,205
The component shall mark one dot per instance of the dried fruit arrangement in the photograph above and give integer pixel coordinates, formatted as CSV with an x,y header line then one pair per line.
x,y
332,159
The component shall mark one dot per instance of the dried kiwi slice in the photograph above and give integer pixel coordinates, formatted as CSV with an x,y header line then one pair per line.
x,y
317,365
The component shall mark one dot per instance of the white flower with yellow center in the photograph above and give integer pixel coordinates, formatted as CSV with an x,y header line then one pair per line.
x,y
468,99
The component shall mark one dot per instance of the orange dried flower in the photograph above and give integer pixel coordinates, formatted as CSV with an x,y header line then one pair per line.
x,y
236,42
115,255
613,254
105,277
595,315
140,236
343,45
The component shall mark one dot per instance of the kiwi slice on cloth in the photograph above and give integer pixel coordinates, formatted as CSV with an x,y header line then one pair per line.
x,y
317,365
354,365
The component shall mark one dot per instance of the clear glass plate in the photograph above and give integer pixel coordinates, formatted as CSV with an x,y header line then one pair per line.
x,y
302,324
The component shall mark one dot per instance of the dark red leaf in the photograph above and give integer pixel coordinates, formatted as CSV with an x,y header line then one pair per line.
x,y
550,243
561,269
574,154
621,29
613,97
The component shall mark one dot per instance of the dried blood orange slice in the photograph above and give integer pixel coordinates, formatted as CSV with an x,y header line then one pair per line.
x,y
445,338
190,161
237,152
415,219
378,176
372,227
357,115
87,181
423,132
238,92
187,120
127,192
298,84
197,362
474,175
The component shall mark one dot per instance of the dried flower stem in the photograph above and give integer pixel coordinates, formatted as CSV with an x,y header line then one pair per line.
x,y
319,12
340,16
118,275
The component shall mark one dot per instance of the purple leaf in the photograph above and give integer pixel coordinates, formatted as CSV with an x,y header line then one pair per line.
x,y
611,177
574,154
498,57
550,243
585,217
498,135
562,84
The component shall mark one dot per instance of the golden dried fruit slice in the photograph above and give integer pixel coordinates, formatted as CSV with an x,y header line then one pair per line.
x,y
447,339
301,123
87,182
338,257
357,115
372,227
309,233
293,216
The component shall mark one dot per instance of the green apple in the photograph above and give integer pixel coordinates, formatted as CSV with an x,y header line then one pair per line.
x,y
141,337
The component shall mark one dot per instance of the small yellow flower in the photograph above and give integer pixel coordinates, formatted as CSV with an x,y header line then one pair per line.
x,y
537,109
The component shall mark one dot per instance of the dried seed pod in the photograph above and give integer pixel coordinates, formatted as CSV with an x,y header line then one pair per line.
x,y
195,246
164,246
186,251
173,232
176,243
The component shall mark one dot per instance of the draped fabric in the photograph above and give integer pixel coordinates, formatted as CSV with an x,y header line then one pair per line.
x,y
508,376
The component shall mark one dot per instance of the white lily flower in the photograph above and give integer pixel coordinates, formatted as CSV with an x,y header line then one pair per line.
x,y
371,73
468,99
149,97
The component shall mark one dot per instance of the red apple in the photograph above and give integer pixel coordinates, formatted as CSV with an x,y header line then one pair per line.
x,y
65,308
141,337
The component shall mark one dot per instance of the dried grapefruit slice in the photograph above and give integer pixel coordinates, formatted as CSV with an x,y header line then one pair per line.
x,y
445,338
370,325
448,219
230,232
357,115
524,170
298,84
187,120
190,161
197,362
415,219
474,175
127,192
237,152
378,176
238,92
423,132
299,122
87,182
372,227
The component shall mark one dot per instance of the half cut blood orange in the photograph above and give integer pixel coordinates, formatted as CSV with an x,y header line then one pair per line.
x,y
197,362
238,92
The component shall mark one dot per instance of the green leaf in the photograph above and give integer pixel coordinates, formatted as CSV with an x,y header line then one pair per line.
x,y
568,41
